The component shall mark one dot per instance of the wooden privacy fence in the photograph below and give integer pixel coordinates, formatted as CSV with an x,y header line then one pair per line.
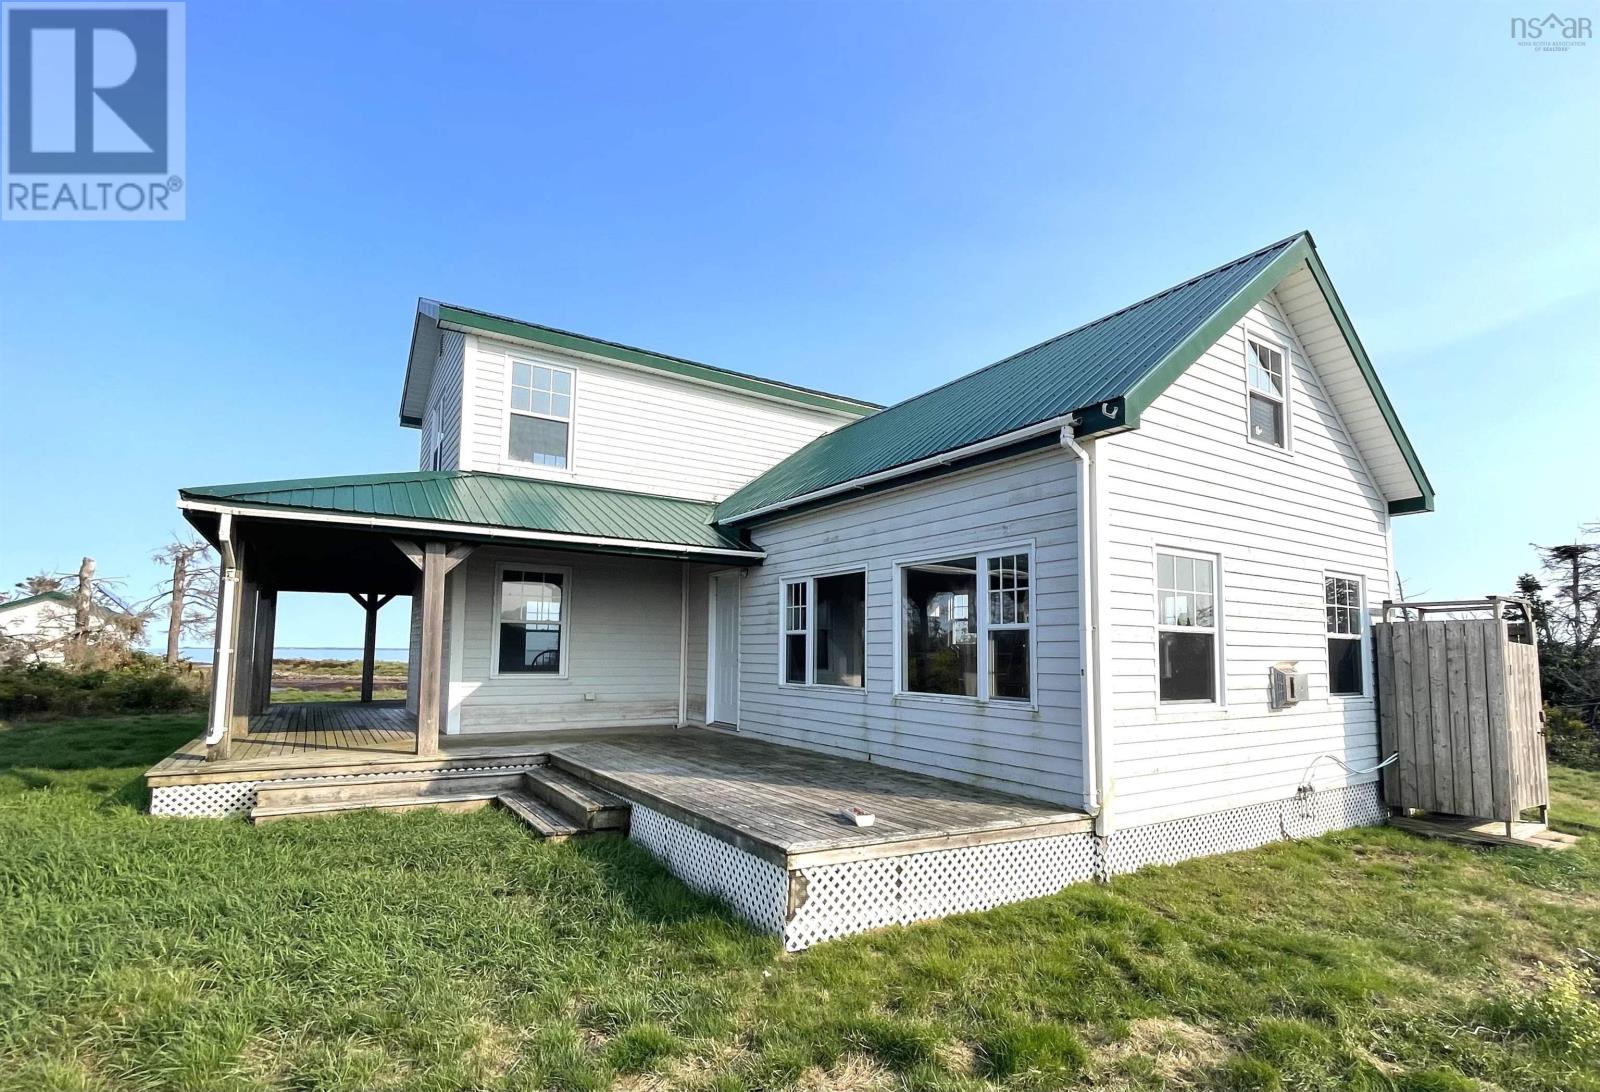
x,y
1459,701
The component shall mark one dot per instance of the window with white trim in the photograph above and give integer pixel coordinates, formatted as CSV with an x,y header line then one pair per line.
x,y
1341,599
540,427
825,630
958,641
532,622
1186,627
1268,385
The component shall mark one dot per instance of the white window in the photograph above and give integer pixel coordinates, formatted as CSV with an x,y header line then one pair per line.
x,y
1186,627
531,627
1268,386
436,462
1341,599
825,630
967,626
540,430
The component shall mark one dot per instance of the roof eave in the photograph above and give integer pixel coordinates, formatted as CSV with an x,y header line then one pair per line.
x,y
420,359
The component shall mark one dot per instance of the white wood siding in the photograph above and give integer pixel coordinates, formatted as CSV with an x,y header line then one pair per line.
x,y
1189,478
1034,752
636,430
442,417
621,643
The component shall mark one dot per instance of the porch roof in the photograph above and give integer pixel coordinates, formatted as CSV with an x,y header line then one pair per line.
x,y
473,505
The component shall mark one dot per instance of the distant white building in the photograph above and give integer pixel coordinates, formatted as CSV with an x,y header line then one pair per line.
x,y
36,628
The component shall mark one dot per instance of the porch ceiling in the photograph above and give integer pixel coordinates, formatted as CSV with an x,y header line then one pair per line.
x,y
318,557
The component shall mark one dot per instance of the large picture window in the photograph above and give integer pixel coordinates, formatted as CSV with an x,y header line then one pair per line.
x,y
540,430
967,627
825,630
532,622
1186,627
1341,597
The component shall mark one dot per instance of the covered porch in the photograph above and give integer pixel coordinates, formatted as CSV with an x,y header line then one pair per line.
x,y
535,605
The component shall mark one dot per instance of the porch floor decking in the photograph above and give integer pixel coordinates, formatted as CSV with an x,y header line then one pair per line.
x,y
780,803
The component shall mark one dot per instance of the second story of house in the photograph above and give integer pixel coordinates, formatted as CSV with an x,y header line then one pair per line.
x,y
494,394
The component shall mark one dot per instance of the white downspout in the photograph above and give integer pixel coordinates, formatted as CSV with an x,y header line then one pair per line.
x,y
222,662
1095,773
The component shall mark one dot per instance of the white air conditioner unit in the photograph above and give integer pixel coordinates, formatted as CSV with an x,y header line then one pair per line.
x,y
1288,685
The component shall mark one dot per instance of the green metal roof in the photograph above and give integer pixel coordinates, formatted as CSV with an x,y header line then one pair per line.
x,y
45,596
1106,372
432,315
490,503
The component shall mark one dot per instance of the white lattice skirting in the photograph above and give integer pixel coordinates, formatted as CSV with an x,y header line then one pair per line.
x,y
840,899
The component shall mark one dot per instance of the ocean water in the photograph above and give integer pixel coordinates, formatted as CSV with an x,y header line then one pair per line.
x,y
203,655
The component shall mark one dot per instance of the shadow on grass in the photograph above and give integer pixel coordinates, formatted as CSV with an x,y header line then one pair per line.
x,y
106,756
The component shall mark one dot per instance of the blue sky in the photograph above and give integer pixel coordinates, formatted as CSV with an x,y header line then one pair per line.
x,y
870,198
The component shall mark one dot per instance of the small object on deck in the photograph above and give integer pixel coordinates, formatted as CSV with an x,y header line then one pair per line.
x,y
858,817
1477,832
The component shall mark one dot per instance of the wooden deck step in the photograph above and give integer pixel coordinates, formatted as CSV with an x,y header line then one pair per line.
x,y
456,801
354,790
589,806
1484,833
543,819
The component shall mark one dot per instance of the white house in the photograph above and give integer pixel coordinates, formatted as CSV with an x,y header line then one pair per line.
x,y
36,629
1126,572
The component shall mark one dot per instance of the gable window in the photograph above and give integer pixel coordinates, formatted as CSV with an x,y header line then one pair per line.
x,y
540,430
967,627
825,631
1186,627
532,622
1341,597
1268,393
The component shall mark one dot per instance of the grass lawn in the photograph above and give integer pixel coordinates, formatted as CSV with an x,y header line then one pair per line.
x,y
453,951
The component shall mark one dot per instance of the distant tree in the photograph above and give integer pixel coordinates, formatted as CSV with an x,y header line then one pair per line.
x,y
1566,615
188,596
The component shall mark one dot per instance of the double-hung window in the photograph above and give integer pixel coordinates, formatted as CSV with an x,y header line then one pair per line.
x,y
1268,393
540,430
967,626
825,630
1186,627
1341,598
532,622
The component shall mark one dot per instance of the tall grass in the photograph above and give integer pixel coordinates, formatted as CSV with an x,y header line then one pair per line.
x,y
453,951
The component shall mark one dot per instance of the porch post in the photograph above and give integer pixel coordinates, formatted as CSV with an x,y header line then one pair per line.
x,y
244,653
435,559
266,639
372,603
432,648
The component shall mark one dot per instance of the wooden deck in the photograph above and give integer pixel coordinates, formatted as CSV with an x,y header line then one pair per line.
x,y
779,803
786,805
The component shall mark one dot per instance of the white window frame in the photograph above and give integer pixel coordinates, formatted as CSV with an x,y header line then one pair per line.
x,y
982,554
1276,344
566,622
784,633
1219,674
436,460
1360,635
571,420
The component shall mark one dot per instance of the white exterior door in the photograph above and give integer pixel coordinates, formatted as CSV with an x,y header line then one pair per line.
x,y
722,688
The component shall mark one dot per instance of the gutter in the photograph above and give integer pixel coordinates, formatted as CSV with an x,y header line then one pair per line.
x,y
1095,697
472,530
